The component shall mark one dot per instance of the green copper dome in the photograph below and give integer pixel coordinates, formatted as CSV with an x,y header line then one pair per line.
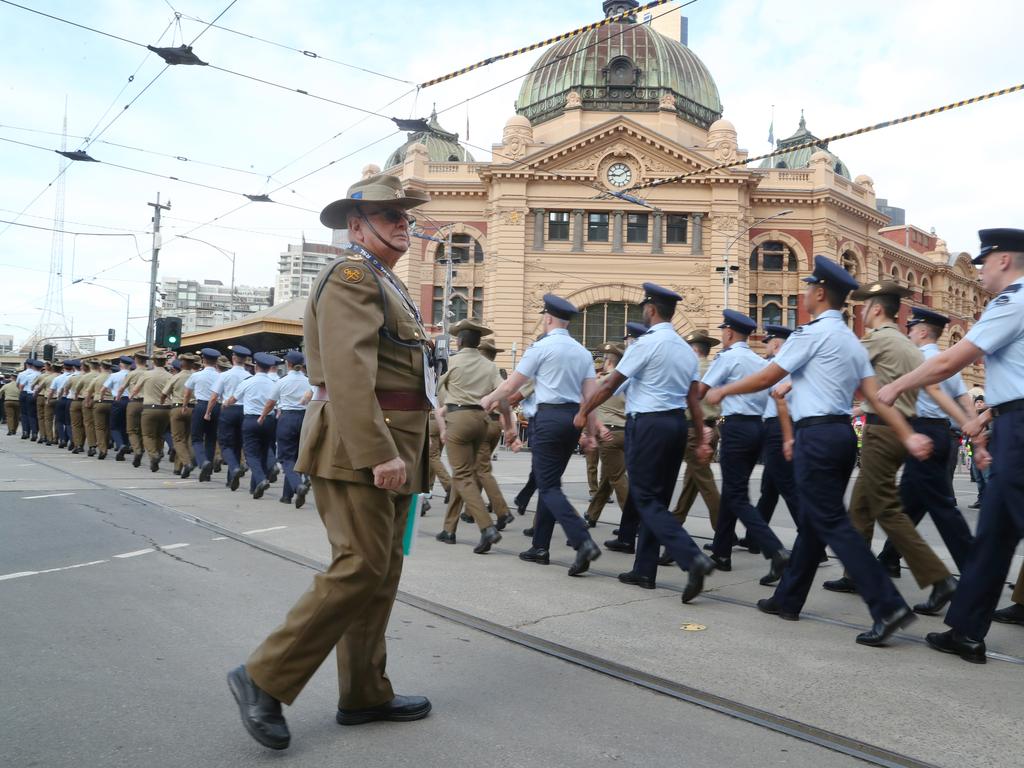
x,y
801,158
620,67
442,146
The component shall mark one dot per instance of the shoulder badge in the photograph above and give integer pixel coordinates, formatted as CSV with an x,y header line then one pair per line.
x,y
1001,299
352,275
1012,288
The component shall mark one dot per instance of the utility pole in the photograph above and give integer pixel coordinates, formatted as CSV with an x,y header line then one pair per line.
x,y
154,266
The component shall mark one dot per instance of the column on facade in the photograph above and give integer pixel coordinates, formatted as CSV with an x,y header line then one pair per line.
x,y
656,236
577,230
617,231
538,229
697,232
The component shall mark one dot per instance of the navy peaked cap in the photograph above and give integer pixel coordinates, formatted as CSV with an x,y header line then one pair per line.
x,y
210,352
999,240
559,307
777,331
266,360
654,292
738,322
295,357
828,273
241,351
126,359
176,364
925,315
635,330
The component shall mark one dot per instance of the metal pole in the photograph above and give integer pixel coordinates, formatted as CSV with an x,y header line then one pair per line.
x,y
232,285
725,278
154,266
446,306
127,313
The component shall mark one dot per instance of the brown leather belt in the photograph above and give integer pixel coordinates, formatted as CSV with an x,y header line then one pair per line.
x,y
388,400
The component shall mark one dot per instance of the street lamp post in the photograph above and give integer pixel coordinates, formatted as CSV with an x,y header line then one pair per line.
x,y
127,298
230,255
726,269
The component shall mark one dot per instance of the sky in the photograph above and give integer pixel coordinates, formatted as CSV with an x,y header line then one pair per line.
x,y
845,64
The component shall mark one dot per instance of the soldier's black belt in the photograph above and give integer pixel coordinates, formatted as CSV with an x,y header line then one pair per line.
x,y
811,421
613,427
558,406
929,420
1008,407
453,408
711,422
772,420
136,399
740,417
161,407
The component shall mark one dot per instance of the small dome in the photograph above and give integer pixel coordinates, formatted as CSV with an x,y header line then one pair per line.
x,y
370,170
517,121
801,158
442,146
865,181
722,125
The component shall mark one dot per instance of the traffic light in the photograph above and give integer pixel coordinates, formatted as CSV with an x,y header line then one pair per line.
x,y
160,336
173,332
110,334
48,352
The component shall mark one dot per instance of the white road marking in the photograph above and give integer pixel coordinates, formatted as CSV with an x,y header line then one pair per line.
x,y
264,530
26,465
172,546
219,538
17,575
47,496
136,553
78,565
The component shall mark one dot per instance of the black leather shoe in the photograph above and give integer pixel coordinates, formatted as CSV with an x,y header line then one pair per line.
x,y
749,545
845,584
186,471
466,517
205,472
779,562
260,489
401,709
285,500
177,471
76,450
101,456
768,605
272,475
218,466
707,547
891,566
233,477
91,452
445,538
447,496
527,531
537,555
1011,614
883,629
591,523
261,712
636,580
942,593
722,563
665,559
504,521
953,642
154,465
300,494
120,454
614,545
975,505
586,553
137,460
700,566
520,509
615,531
488,536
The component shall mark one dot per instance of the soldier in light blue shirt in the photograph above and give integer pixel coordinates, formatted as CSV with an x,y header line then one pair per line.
x,y
827,364
229,425
291,395
999,336
258,429
118,420
204,430
661,372
742,434
30,422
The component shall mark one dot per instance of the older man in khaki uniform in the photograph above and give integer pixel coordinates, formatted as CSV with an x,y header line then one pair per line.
x,y
364,446
611,413
698,477
465,428
875,496
156,416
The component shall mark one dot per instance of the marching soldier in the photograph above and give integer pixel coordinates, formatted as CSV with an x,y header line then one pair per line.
x,y
229,425
82,392
437,467
176,397
156,417
74,408
12,406
612,414
259,429
29,419
291,397
133,410
114,386
827,365
997,335
203,431
44,407
101,401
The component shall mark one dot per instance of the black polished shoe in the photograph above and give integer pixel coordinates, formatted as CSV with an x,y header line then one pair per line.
x,y
1011,614
665,559
447,496
845,584
520,509
205,472
424,508
120,454
700,567
942,593
285,500
233,478
101,455
504,521
91,452
261,712
537,555
154,465
591,523
768,605
614,545
272,475
975,505
466,517
722,563
300,494
488,536
883,629
137,460
953,642
401,709
218,466
748,544
186,471
177,471
528,531
891,566
779,562
260,489
445,538
586,553
708,547
636,580
76,450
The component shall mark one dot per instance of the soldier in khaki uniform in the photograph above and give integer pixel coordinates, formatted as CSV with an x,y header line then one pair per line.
x,y
155,419
101,401
44,407
364,446
76,416
90,372
133,412
698,477
174,394
875,494
611,413
465,428
12,407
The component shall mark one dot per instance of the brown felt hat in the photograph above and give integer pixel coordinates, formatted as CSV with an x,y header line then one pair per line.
x,y
381,189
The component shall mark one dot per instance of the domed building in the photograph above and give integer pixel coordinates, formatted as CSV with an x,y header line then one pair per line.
x,y
571,202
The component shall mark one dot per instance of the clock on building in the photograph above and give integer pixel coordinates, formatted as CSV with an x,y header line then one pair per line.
x,y
619,174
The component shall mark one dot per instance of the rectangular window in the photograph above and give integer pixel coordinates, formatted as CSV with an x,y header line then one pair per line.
x,y
676,230
478,304
791,313
593,334
437,305
597,227
558,225
636,227
752,306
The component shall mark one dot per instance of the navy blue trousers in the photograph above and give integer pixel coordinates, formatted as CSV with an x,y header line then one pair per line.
x,y
823,460
289,428
554,442
1000,528
655,445
229,435
738,452
29,417
63,420
118,422
777,479
203,433
526,492
258,440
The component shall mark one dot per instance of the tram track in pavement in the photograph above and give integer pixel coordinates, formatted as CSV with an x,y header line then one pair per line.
x,y
805,732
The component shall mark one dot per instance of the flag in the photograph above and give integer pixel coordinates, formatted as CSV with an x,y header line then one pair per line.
x,y
771,132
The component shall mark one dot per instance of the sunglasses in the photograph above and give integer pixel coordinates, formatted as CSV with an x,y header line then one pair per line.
x,y
393,216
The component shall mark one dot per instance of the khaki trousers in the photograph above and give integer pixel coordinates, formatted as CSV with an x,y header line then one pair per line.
x,y
348,605
101,418
12,411
876,497
466,434
181,427
698,478
437,467
48,421
77,423
613,475
89,417
592,461
484,480
155,421
133,421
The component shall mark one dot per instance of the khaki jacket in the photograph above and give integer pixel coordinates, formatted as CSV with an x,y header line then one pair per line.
x,y
469,378
892,355
153,382
360,338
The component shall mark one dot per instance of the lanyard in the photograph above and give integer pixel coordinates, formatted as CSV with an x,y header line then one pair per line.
x,y
409,305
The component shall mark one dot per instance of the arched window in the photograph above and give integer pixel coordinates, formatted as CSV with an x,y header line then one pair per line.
x,y
781,164
881,270
462,247
621,72
597,324
850,262
910,280
895,272
773,256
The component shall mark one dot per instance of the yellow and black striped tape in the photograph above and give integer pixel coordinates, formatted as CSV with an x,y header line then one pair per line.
x,y
542,43
830,139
